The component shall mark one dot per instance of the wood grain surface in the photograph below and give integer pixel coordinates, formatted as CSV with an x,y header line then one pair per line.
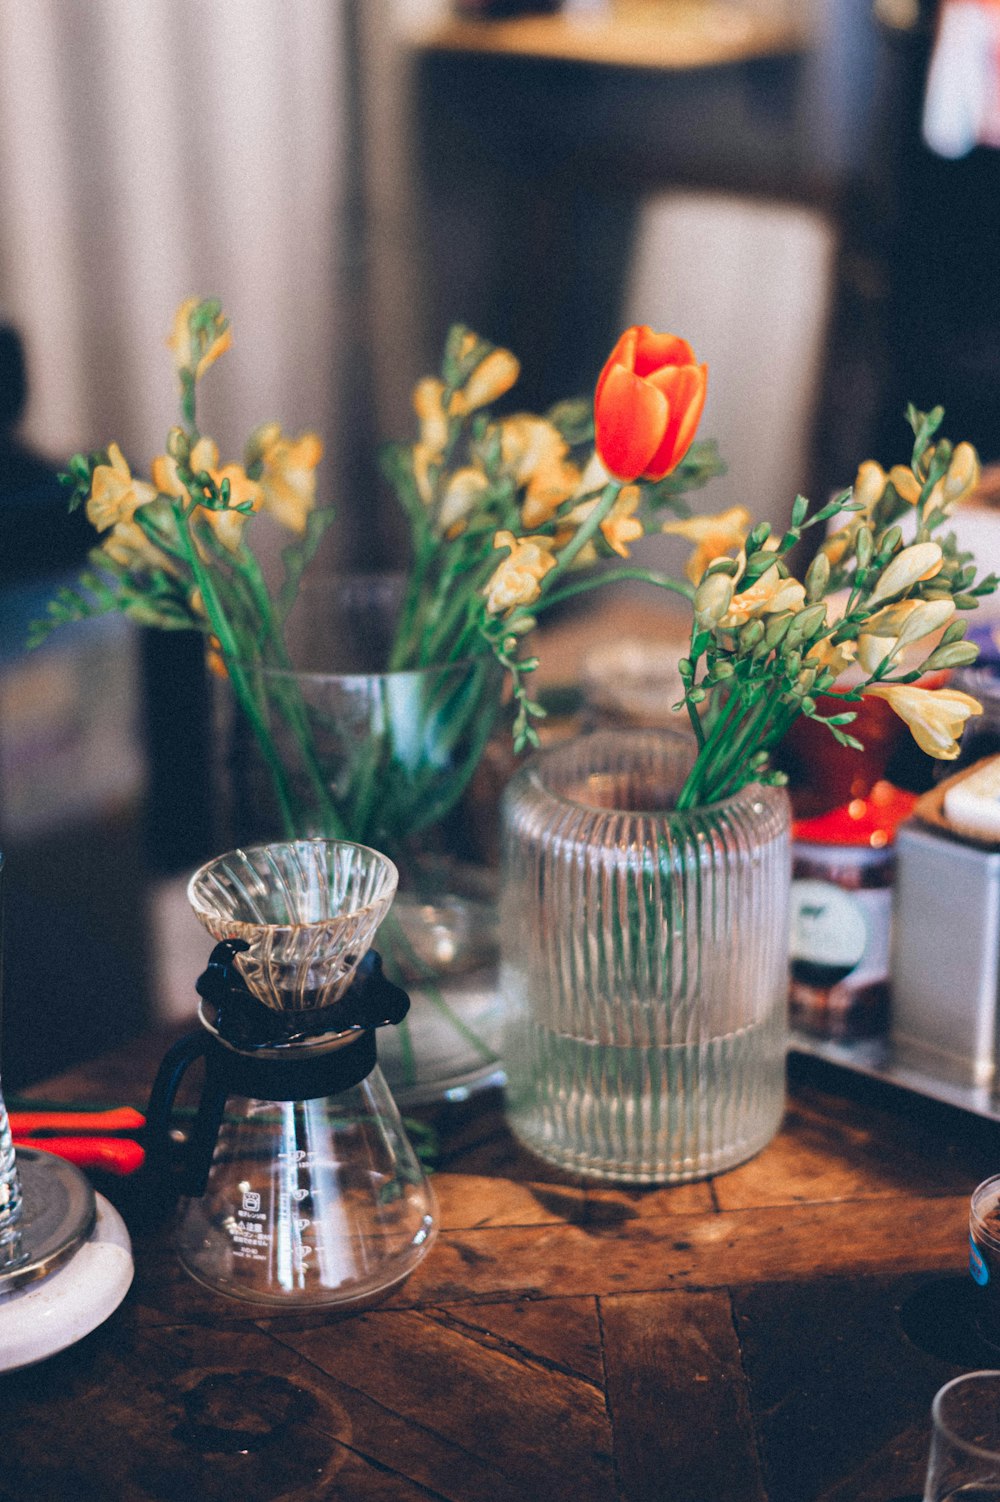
x,y
775,1334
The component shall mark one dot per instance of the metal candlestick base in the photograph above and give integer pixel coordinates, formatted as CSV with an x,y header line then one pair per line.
x,y
59,1208
68,1268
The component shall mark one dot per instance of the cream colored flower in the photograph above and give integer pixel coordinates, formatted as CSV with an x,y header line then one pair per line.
x,y
712,599
936,717
960,480
182,344
428,403
898,626
869,483
922,560
465,488
767,596
288,475
517,579
489,381
114,495
713,537
831,657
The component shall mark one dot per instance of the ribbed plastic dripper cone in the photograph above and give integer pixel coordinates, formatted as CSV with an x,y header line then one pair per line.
x,y
307,909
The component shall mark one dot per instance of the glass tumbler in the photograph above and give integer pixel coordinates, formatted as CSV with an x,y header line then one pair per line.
x,y
964,1461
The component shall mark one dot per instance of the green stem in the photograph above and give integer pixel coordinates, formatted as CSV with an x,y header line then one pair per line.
x,y
645,575
230,651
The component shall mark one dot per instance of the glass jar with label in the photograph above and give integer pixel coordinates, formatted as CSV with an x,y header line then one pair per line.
x,y
841,923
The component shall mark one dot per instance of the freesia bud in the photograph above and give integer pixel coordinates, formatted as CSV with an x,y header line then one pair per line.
x,y
905,483
869,485
490,380
963,474
712,599
920,561
817,577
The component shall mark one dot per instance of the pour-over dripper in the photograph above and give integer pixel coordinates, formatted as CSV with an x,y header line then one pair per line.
x,y
307,912
302,1188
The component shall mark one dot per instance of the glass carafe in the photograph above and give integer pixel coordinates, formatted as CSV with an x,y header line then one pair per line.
x,y
300,1186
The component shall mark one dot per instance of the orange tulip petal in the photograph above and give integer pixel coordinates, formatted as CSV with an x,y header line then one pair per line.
x,y
630,416
684,387
653,351
623,354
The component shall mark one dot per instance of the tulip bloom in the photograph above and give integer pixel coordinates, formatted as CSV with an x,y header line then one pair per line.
x,y
648,404
936,717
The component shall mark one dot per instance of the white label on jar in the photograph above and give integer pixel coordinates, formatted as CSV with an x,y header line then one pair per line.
x,y
828,926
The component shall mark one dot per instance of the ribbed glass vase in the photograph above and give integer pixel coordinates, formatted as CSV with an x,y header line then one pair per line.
x,y
644,968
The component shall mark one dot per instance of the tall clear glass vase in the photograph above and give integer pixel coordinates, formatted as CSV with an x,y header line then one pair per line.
x,y
385,757
644,965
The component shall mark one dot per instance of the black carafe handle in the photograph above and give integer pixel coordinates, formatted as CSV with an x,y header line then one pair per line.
x,y
195,1154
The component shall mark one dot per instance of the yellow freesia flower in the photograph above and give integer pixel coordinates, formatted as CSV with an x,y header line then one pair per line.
x,y
489,381
546,492
621,526
227,525
767,596
288,475
713,537
529,444
922,560
182,344
423,457
129,546
837,546
869,483
114,495
428,403
533,452
464,490
907,485
936,717
517,580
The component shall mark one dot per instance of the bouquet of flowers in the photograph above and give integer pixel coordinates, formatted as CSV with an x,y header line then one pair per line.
x,y
510,515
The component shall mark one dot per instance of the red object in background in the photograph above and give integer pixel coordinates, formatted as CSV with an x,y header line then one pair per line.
x,y
824,775
84,1137
871,821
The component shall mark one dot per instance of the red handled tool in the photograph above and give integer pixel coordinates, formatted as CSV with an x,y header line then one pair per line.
x,y
104,1140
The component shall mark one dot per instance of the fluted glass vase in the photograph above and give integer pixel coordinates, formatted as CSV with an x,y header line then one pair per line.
x,y
644,962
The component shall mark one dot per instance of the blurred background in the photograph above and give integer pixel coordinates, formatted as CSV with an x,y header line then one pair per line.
x,y
807,190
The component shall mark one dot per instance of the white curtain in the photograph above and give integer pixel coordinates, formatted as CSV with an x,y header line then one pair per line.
x,y
155,149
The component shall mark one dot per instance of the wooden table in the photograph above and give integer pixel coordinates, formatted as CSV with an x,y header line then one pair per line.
x,y
775,1333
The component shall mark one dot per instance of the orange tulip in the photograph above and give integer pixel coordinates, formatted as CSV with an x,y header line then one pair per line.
x,y
648,403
